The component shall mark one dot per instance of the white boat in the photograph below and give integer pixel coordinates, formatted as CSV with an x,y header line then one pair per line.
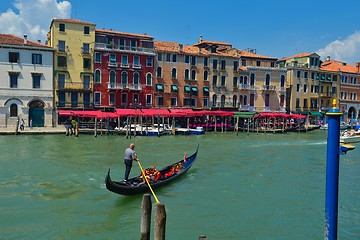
x,y
352,137
196,131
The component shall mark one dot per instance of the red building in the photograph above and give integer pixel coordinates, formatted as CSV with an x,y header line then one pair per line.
x,y
123,69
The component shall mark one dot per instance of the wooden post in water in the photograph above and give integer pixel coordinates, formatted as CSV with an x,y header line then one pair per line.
x,y
95,128
77,129
145,217
17,126
160,222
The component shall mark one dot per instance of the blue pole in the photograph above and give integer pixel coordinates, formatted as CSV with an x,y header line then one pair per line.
x,y
332,173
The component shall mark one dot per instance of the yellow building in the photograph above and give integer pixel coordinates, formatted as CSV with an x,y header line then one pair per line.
x,y
73,62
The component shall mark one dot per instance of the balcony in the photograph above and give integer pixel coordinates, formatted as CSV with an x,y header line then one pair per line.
x,y
268,88
124,65
326,95
112,64
136,66
74,86
125,49
122,86
247,87
219,89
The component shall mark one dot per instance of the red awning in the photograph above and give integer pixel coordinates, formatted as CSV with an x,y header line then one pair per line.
x,y
78,113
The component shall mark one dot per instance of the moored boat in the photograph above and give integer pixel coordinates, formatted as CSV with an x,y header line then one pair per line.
x,y
167,174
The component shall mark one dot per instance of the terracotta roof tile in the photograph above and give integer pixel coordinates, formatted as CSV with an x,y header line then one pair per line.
x,y
299,55
9,39
209,42
175,48
70,20
247,54
110,31
335,66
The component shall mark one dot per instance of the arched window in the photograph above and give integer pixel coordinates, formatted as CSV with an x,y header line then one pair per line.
x,y
136,78
112,77
282,81
234,101
149,79
97,77
173,73
124,77
193,74
187,74
214,100
13,110
206,75
267,80
159,72
245,80
241,99
241,79
252,79
222,100
245,100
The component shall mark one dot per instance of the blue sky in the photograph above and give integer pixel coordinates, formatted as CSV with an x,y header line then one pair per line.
x,y
274,28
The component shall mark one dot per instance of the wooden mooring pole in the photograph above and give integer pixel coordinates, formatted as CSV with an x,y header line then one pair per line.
x,y
145,217
160,222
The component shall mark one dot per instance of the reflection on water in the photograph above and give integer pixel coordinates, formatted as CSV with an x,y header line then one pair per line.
x,y
250,186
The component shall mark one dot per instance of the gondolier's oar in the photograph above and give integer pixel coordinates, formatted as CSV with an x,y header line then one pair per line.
x,y
143,174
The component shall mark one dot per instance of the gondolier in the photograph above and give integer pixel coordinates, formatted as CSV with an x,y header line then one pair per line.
x,y
130,156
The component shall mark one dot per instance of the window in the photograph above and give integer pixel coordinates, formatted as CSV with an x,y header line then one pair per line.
x,y
174,58
112,99
313,75
267,80
74,99
282,100
112,79
206,61
214,100
173,101
136,62
235,82
252,79
124,78
62,27
160,88
173,73
148,100
112,59
223,64
297,103
205,102
243,62
14,80
133,45
159,72
214,64
258,63
223,81
206,75
298,74
187,89
306,75
136,80
245,80
86,48
61,99
98,57
335,78
194,91
298,87
236,65
206,91
97,98
305,103
159,56
36,80
168,56
36,58
193,74
214,83
305,88
282,81
124,99
149,79
86,82
97,76
187,59
272,64
13,57
61,46
13,110
61,81
149,62
159,101
87,63
187,73
124,61
86,30
193,60
174,88
122,43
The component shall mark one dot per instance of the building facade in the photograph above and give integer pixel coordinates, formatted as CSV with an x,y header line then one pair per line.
x,y
73,41
26,82
124,69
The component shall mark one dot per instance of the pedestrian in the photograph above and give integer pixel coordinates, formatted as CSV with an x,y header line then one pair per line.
x,y
130,156
31,124
68,127
22,124
73,126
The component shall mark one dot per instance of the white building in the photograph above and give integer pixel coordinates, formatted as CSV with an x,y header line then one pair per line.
x,y
26,82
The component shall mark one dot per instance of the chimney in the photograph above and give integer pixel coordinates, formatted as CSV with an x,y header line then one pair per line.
x,y
25,39
200,39
199,49
357,64
180,47
327,58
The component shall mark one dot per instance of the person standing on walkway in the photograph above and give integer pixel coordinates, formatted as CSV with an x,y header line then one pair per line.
x,y
130,156
31,123
22,124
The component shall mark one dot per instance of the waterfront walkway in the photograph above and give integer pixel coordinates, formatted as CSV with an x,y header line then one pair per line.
x,y
36,130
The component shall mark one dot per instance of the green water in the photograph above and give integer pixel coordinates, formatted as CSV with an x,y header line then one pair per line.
x,y
241,187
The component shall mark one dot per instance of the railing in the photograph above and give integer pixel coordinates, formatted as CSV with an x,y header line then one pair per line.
x,y
247,87
74,85
120,48
219,88
282,89
112,64
121,86
268,88
136,66
325,94
244,107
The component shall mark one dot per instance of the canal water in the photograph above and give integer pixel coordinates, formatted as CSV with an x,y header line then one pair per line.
x,y
254,186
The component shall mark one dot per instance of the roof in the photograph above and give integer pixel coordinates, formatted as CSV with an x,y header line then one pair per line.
x,y
299,55
335,66
209,42
70,20
110,31
247,54
175,48
9,39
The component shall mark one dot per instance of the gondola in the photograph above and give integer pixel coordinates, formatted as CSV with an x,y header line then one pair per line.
x,y
137,186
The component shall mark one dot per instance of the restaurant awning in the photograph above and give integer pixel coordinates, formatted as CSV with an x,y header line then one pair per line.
x,y
316,114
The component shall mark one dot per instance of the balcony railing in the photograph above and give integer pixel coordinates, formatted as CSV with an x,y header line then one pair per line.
x,y
136,66
121,86
268,88
282,89
148,51
112,64
329,95
247,87
74,86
